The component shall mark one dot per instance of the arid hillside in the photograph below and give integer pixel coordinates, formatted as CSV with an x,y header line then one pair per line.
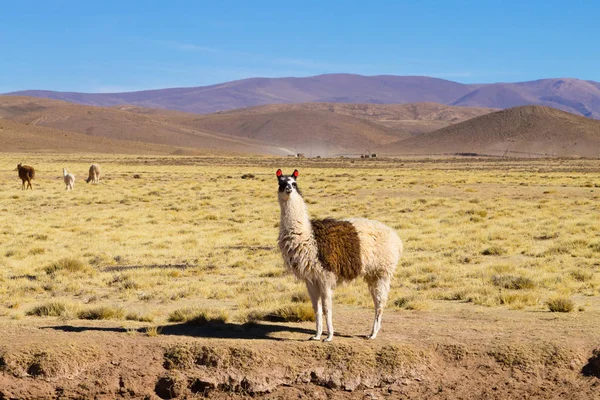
x,y
27,138
95,123
413,118
520,131
311,128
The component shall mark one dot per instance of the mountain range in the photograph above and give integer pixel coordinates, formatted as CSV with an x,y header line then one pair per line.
x,y
568,94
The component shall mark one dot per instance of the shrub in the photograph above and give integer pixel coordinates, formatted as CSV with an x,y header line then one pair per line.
x,y
66,264
102,312
297,312
198,316
560,304
512,282
52,309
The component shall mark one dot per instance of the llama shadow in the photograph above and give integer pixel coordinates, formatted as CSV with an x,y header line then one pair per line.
x,y
213,330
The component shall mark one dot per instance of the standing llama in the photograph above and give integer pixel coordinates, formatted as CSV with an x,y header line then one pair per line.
x,y
69,179
94,174
26,173
325,252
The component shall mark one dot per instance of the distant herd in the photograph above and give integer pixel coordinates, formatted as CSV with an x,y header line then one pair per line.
x,y
27,173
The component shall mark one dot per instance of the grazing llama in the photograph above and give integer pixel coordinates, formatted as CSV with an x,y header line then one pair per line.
x,y
325,252
69,179
94,174
26,173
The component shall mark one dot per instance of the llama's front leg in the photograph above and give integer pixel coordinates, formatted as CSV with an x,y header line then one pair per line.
x,y
379,291
315,298
328,310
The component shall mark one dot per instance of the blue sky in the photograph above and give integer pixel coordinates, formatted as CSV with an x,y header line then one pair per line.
x,y
125,45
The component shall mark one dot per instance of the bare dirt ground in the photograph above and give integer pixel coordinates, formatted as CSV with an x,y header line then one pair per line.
x,y
456,352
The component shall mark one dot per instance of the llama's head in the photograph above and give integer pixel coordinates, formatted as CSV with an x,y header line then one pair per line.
x,y
287,185
18,166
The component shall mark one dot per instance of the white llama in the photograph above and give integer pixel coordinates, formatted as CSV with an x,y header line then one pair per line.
x,y
94,174
325,252
69,179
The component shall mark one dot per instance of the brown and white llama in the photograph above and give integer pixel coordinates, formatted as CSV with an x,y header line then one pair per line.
x,y
325,252
69,179
94,174
26,173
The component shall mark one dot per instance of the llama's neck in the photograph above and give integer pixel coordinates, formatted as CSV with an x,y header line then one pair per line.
x,y
294,216
64,172
296,240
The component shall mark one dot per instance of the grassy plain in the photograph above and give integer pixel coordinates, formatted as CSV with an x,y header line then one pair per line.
x,y
191,239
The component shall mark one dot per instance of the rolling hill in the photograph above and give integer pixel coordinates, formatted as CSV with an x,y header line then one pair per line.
x,y
568,94
521,130
312,128
22,138
118,125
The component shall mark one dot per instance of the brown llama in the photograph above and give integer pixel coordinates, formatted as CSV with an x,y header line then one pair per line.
x,y
26,173
94,174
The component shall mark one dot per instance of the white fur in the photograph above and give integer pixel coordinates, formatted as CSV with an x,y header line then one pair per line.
x,y
69,179
380,251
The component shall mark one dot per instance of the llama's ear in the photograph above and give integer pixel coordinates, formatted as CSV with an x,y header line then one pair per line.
x,y
279,173
295,174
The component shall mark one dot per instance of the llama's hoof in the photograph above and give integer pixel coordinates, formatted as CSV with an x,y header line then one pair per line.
x,y
315,338
328,339
371,337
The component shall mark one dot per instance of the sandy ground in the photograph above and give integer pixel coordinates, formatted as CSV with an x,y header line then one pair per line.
x,y
455,351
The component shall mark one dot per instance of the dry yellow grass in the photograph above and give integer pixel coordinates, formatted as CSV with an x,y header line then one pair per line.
x,y
191,234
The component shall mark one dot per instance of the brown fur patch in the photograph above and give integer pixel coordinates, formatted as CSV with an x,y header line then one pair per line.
x,y
338,247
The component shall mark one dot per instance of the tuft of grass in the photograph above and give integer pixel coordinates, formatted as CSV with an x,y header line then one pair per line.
x,y
582,275
198,316
297,312
102,312
560,304
410,303
513,282
153,331
493,251
51,309
132,316
66,264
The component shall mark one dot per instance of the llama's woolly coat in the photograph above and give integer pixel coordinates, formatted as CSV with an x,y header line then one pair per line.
x,y
69,179
26,173
308,251
93,174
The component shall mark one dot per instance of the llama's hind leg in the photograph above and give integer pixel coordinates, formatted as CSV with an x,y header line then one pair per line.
x,y
379,288
315,298
328,310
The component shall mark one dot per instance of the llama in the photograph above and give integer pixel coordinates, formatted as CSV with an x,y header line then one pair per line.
x,y
26,173
94,174
325,252
69,179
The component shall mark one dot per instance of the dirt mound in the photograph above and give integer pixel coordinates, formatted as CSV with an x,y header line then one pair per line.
x,y
450,354
519,131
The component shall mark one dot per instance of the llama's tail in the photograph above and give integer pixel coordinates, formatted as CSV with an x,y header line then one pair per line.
x,y
31,173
